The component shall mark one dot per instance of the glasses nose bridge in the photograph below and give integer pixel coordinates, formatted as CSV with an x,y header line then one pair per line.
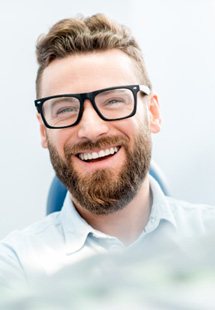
x,y
91,98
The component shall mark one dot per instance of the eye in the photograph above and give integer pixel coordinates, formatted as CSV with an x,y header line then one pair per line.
x,y
64,110
113,101
62,107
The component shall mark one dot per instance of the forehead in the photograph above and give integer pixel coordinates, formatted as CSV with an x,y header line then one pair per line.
x,y
88,72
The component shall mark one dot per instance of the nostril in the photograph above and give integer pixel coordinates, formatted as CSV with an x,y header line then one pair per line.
x,y
92,133
92,128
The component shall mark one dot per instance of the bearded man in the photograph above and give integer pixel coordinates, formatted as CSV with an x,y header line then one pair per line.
x,y
96,112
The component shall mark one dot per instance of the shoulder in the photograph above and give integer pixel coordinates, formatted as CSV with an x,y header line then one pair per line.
x,y
192,217
21,249
188,207
42,229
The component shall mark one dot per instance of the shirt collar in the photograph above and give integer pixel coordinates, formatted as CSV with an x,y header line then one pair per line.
x,y
160,207
76,229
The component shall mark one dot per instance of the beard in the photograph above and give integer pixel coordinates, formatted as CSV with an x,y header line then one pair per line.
x,y
103,192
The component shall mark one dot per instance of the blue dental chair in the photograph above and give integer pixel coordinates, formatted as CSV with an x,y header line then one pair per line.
x,y
57,191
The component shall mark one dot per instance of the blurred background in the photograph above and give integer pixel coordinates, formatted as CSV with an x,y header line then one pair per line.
x,y
178,42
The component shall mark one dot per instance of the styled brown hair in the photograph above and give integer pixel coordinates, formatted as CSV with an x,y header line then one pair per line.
x,y
82,35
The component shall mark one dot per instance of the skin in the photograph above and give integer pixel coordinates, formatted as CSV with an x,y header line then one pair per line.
x,y
88,72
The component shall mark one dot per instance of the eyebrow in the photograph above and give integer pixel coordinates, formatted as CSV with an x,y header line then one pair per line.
x,y
63,98
113,91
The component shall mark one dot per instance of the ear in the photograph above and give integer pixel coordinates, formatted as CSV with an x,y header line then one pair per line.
x,y
154,114
43,132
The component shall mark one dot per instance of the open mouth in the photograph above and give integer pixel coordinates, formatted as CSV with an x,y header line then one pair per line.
x,y
96,156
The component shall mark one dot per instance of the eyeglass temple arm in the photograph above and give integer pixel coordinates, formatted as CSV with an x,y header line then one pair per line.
x,y
145,89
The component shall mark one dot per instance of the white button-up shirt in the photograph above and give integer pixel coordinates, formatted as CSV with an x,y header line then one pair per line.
x,y
64,237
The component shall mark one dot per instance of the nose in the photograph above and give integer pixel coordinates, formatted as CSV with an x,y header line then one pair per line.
x,y
91,126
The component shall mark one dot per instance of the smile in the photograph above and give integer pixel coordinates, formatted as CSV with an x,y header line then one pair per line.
x,y
100,154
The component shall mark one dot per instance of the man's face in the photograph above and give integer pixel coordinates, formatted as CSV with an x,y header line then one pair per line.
x,y
108,183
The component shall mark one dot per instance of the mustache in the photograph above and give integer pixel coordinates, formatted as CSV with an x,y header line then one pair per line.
x,y
104,142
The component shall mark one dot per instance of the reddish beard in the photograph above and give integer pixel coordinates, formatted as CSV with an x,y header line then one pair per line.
x,y
104,192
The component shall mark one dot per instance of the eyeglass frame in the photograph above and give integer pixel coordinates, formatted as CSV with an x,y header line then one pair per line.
x,y
91,97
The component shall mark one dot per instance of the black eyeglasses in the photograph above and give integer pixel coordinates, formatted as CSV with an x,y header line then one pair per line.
x,y
111,104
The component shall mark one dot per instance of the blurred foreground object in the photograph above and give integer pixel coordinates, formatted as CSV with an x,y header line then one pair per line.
x,y
169,278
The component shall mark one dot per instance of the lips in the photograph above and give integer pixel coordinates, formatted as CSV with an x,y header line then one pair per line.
x,y
88,156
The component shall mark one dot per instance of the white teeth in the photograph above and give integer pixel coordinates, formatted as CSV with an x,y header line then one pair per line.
x,y
112,150
95,155
102,153
84,156
107,152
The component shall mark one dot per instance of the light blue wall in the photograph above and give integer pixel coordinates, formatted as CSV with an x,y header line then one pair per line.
x,y
178,41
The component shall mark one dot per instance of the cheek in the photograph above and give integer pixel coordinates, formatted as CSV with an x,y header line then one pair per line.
x,y
58,138
142,116
137,123
129,128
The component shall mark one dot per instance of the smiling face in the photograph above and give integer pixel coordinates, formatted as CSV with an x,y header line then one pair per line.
x,y
102,163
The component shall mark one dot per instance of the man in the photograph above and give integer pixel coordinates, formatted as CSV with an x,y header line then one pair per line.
x,y
97,111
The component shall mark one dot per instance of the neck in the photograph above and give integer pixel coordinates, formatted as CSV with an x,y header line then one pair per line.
x,y
126,224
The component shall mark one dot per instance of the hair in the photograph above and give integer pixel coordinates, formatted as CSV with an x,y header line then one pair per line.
x,y
82,35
